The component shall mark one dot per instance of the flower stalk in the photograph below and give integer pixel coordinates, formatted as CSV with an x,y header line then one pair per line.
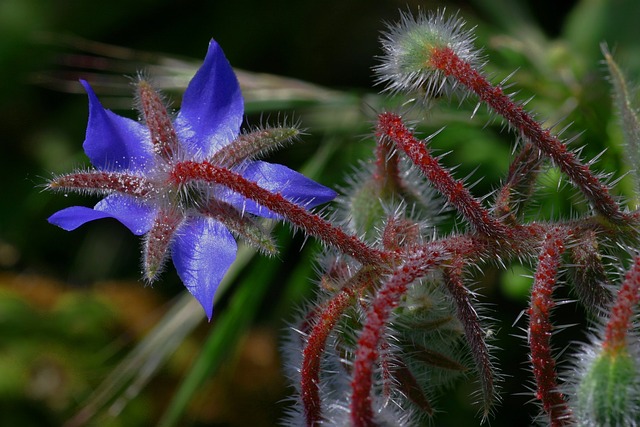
x,y
378,315
313,225
473,332
391,126
449,63
621,314
540,329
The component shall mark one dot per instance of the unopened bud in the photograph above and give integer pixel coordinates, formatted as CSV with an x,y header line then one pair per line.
x,y
608,393
408,48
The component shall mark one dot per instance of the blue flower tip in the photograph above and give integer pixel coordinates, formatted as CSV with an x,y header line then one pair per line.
x,y
87,87
207,305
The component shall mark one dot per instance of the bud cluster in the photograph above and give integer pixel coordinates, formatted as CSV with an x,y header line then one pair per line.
x,y
403,329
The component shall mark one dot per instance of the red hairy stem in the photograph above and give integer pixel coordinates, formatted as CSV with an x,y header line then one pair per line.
x,y
468,316
108,182
368,346
524,239
387,170
391,126
519,184
312,355
473,248
621,316
540,329
386,369
328,316
446,60
312,224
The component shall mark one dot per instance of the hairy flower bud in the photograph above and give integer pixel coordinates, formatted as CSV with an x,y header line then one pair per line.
x,y
408,46
608,393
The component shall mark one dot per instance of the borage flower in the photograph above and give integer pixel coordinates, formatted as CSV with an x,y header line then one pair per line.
x,y
135,168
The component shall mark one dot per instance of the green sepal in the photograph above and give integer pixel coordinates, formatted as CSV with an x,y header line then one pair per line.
x,y
367,210
608,393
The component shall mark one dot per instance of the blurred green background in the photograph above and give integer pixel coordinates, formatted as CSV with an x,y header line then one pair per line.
x,y
71,305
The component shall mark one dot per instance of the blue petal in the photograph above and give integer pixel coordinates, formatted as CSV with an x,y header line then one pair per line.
x,y
212,107
113,142
71,218
136,217
202,252
293,186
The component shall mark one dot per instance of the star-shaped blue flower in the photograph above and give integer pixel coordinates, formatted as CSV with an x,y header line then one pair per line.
x,y
191,222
